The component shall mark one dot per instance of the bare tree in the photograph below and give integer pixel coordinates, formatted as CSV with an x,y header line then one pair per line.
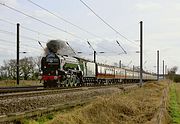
x,y
37,62
172,72
10,68
26,67
3,73
174,69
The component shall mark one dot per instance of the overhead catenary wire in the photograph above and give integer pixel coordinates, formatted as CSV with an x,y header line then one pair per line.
x,y
26,28
26,53
10,43
41,45
26,37
12,8
25,45
3,20
71,48
121,47
39,20
47,35
7,43
65,20
32,30
12,33
105,22
39,42
30,17
90,46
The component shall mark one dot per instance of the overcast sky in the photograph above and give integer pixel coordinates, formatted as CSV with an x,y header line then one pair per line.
x,y
160,18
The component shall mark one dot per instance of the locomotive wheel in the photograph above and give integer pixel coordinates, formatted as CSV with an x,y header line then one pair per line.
x,y
67,83
72,81
71,84
75,84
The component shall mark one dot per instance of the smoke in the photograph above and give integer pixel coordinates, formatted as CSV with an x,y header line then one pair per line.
x,y
55,45
58,46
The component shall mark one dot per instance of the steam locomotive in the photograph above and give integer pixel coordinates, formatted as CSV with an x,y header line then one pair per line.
x,y
64,71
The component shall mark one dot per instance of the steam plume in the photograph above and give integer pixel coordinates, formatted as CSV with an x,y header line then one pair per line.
x,y
58,46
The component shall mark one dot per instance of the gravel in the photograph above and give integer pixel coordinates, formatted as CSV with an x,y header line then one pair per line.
x,y
23,104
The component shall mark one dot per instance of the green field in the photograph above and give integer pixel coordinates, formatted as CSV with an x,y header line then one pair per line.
x,y
175,103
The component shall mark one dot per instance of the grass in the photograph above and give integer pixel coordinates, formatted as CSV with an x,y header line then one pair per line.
x,y
134,107
175,103
38,120
6,83
47,117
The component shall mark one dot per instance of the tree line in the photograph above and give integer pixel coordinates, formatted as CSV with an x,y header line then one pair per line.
x,y
172,74
29,68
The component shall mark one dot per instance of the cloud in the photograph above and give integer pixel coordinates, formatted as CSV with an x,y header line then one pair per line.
x,y
148,6
10,2
90,14
176,6
42,14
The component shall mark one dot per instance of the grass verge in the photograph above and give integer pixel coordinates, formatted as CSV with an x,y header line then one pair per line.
x,y
9,83
175,103
45,117
38,120
134,107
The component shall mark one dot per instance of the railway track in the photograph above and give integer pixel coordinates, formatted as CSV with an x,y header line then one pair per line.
x,y
28,104
20,89
46,92
6,90
37,91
